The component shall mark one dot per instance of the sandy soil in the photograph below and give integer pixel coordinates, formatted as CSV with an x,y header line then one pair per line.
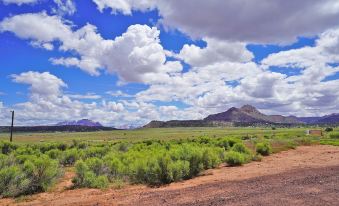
x,y
308,175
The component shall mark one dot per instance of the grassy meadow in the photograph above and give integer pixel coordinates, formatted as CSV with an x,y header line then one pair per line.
x,y
34,162
153,134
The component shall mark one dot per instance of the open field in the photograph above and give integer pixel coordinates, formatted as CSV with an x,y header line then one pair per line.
x,y
60,163
155,134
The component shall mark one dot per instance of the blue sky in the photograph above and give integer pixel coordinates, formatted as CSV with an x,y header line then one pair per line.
x,y
128,63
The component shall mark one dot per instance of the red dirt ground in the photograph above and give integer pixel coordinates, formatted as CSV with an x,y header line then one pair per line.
x,y
308,175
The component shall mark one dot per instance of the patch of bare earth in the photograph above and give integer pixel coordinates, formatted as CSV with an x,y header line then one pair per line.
x,y
308,175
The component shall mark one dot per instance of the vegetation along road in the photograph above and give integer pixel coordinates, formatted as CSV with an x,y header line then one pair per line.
x,y
212,166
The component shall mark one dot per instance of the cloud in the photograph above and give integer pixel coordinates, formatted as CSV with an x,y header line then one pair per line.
x,y
49,104
64,7
125,6
19,2
256,21
215,84
38,27
135,56
325,51
61,8
118,93
44,84
84,96
215,51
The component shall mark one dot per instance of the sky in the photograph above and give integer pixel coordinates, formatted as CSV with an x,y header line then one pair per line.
x,y
127,62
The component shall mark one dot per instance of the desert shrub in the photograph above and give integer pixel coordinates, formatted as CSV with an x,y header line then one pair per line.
x,y
7,147
263,148
41,172
165,170
210,159
334,135
27,151
36,174
54,153
305,141
114,166
96,165
234,158
196,164
100,182
241,148
257,157
329,129
204,140
145,171
86,178
123,147
291,145
80,170
180,170
12,181
46,147
227,142
247,137
95,151
62,146
70,157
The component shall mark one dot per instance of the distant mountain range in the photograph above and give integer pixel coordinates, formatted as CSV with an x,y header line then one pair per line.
x,y
249,114
327,119
82,122
245,115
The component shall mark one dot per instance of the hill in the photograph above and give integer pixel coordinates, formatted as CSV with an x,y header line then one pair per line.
x,y
82,122
246,115
327,119
66,128
249,114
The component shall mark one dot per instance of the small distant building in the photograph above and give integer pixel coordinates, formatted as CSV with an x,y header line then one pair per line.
x,y
314,132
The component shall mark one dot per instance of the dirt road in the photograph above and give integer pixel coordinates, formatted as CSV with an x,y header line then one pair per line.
x,y
308,175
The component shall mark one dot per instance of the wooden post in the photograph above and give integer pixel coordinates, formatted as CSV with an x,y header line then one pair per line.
x,y
11,138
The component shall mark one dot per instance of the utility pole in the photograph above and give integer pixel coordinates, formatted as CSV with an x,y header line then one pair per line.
x,y
11,138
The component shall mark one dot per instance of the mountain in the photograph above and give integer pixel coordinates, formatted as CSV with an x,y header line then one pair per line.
x,y
249,114
327,119
246,115
82,122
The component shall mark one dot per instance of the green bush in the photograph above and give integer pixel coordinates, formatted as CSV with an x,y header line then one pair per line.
x,y
227,142
241,148
70,157
114,166
210,159
86,178
96,165
7,147
36,174
196,164
62,146
234,158
12,182
263,148
334,135
180,170
42,172
329,129
54,154
95,151
165,170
